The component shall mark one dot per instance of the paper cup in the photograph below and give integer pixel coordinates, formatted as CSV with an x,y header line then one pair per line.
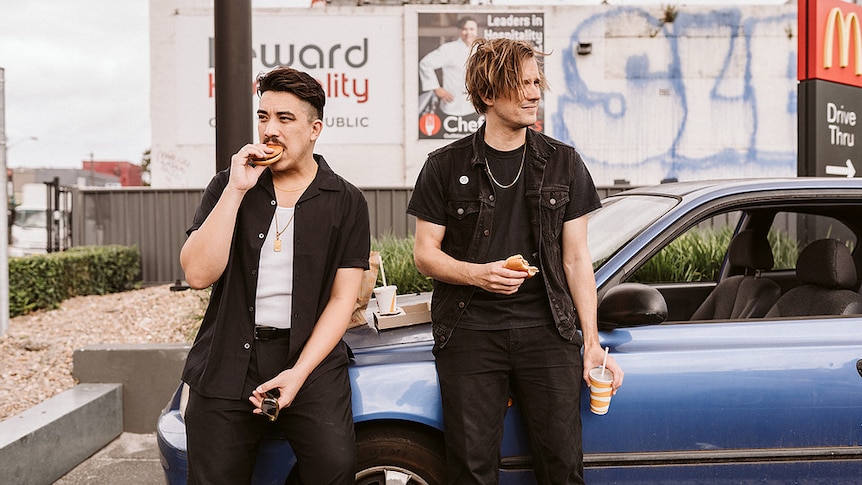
x,y
385,296
601,390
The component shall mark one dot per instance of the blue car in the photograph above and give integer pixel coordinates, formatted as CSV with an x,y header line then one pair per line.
x,y
733,307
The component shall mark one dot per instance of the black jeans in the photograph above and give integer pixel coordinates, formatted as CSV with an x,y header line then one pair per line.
x,y
477,371
224,435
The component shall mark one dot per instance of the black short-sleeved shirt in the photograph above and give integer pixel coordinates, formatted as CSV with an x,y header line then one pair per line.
x,y
331,232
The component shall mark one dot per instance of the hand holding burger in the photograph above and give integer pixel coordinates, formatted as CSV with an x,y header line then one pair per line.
x,y
273,157
518,263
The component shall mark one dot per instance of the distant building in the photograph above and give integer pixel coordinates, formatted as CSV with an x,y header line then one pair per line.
x,y
128,174
67,177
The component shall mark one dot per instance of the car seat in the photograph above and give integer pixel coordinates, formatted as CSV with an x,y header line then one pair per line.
x,y
827,275
747,295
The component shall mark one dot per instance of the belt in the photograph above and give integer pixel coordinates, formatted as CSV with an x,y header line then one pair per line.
x,y
269,333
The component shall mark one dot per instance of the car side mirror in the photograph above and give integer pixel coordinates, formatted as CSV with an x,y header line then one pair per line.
x,y
631,305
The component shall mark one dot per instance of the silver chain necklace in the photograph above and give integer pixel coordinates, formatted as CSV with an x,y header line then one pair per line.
x,y
521,169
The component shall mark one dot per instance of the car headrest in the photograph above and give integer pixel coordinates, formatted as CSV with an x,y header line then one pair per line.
x,y
750,250
826,262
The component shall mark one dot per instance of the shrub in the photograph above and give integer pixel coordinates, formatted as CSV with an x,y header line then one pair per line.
x,y
397,256
43,281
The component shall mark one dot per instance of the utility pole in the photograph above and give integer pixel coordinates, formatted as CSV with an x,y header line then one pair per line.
x,y
233,80
4,208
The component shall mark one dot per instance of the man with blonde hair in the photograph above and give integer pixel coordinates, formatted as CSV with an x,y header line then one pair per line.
x,y
502,191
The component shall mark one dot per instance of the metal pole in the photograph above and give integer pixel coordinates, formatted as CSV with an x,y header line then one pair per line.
x,y
233,78
4,208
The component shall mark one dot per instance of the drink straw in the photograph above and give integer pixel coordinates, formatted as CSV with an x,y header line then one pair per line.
x,y
382,273
605,361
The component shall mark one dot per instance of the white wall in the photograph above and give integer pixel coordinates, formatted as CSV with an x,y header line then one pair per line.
x,y
711,94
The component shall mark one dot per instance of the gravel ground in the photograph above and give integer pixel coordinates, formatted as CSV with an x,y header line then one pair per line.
x,y
36,351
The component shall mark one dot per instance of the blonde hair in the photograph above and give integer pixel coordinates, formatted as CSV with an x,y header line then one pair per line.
x,y
494,70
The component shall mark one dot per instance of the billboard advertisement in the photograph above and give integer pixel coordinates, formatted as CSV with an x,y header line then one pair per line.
x,y
444,41
354,66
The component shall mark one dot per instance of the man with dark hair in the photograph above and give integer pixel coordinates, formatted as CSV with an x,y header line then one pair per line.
x,y
284,247
502,191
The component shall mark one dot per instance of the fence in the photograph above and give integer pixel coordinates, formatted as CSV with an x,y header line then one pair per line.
x,y
155,220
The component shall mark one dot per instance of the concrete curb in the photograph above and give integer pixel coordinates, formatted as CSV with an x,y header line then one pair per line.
x,y
149,373
43,443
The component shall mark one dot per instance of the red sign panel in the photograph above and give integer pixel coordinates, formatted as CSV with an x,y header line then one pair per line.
x,y
830,41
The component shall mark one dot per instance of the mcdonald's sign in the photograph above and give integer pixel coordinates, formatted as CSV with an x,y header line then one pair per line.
x,y
830,41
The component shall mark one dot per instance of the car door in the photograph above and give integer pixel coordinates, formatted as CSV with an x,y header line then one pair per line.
x,y
741,400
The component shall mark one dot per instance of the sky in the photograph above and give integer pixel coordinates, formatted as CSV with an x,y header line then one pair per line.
x,y
77,79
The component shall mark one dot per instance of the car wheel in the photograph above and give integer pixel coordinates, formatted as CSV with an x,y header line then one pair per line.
x,y
399,456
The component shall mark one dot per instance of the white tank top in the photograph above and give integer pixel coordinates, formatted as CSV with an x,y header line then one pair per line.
x,y
275,274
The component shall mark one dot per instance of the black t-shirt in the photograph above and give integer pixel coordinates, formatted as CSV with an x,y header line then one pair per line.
x,y
510,234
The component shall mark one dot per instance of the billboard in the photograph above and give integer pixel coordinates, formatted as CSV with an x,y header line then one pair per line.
x,y
354,67
444,40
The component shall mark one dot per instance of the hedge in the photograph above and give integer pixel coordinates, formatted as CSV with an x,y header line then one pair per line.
x,y
43,281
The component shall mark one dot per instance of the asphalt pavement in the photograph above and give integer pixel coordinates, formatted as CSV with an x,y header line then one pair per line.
x,y
131,459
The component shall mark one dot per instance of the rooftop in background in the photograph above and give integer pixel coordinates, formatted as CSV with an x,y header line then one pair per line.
x,y
68,177
128,174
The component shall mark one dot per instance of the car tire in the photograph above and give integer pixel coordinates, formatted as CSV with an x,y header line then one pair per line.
x,y
399,455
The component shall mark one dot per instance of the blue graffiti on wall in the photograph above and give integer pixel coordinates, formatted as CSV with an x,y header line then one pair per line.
x,y
702,96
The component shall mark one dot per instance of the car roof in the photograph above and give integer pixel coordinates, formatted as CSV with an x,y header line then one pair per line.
x,y
703,187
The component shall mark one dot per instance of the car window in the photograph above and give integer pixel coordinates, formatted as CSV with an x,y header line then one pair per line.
x,y
619,220
31,218
792,231
695,255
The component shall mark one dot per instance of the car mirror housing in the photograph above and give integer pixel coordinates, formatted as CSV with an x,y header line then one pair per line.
x,y
631,305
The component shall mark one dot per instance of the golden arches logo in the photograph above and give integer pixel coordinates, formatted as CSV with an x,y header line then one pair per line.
x,y
846,26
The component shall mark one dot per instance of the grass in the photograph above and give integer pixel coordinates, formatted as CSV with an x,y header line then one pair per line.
x,y
397,256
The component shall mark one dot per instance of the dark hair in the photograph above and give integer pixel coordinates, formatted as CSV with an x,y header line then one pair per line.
x,y
494,70
301,84
464,20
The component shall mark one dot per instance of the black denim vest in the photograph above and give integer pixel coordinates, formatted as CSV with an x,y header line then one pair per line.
x,y
550,170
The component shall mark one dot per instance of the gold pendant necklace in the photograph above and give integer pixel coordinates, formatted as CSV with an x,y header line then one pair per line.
x,y
276,245
521,169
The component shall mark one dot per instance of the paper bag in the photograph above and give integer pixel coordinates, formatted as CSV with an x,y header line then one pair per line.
x,y
369,281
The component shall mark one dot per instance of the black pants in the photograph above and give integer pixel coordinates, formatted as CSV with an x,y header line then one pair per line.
x,y
478,370
224,435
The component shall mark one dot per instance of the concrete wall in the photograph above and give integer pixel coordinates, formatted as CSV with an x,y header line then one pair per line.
x,y
689,92
149,375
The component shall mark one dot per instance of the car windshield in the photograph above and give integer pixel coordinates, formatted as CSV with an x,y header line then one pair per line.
x,y
619,220
30,218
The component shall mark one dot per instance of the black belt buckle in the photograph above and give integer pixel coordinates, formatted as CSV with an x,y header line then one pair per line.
x,y
269,333
264,333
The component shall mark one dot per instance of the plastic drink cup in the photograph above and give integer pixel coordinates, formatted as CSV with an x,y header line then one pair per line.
x,y
385,296
601,390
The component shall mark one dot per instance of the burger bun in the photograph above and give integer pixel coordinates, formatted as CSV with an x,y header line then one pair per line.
x,y
518,263
273,157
